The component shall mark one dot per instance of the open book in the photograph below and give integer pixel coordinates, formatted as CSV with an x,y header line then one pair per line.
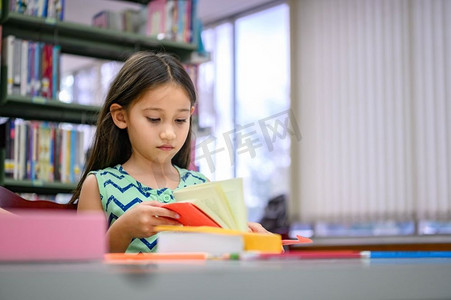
x,y
217,204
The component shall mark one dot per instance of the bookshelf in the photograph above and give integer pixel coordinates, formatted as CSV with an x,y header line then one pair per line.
x,y
84,40
76,39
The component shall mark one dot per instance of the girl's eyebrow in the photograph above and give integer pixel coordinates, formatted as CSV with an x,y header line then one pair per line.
x,y
160,109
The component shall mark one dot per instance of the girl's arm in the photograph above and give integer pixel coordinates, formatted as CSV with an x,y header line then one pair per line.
x,y
137,222
89,199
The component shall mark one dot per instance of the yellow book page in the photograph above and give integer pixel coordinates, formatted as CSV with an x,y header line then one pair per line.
x,y
233,189
232,194
210,198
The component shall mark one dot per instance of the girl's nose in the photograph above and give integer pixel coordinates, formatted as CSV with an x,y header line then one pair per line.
x,y
167,133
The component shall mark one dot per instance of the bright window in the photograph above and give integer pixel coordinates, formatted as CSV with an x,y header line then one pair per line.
x,y
245,107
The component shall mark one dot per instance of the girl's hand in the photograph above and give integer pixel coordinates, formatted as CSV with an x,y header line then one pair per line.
x,y
140,221
256,227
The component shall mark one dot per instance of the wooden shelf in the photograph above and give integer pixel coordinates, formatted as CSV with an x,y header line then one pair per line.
x,y
84,40
42,109
40,187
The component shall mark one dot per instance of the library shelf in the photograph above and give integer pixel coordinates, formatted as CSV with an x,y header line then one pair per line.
x,y
52,110
84,40
75,39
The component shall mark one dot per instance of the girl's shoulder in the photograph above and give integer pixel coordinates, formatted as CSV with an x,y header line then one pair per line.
x,y
190,177
115,171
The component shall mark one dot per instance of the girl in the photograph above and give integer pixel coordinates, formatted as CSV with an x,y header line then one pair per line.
x,y
141,151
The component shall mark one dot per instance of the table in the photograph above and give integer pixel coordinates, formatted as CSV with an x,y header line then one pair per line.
x,y
301,279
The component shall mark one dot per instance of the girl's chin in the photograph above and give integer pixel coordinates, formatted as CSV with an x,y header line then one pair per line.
x,y
165,159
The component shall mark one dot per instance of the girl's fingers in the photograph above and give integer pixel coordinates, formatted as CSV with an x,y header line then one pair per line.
x,y
256,227
166,221
157,210
163,212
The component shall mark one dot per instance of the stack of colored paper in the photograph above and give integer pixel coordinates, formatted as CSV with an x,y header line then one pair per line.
x,y
215,241
36,235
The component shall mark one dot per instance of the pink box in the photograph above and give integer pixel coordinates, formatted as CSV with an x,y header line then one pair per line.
x,y
52,235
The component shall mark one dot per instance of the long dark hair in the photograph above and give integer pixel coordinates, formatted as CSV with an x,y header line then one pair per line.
x,y
143,71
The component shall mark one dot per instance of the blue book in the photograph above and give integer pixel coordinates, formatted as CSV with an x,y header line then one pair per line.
x,y
37,69
60,10
30,68
193,24
51,152
181,22
44,7
406,254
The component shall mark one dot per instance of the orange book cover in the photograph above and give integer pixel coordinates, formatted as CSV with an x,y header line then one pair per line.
x,y
191,215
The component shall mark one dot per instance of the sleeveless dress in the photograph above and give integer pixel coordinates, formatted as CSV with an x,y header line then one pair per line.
x,y
120,192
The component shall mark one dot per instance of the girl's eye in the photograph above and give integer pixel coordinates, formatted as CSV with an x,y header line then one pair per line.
x,y
154,120
180,121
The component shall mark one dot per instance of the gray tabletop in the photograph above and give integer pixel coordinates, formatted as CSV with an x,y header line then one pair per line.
x,y
301,279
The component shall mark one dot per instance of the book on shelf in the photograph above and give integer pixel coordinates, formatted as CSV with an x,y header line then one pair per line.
x,y
32,68
23,69
156,17
134,21
47,69
56,62
161,19
45,151
126,20
216,204
16,68
51,9
37,67
172,19
38,8
100,19
8,60
109,20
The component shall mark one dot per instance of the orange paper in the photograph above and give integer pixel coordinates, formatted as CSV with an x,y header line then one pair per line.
x,y
154,256
190,214
300,240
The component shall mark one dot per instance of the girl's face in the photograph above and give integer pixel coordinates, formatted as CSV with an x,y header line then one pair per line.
x,y
159,123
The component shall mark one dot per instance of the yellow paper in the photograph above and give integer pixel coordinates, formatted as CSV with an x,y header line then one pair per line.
x,y
223,201
262,242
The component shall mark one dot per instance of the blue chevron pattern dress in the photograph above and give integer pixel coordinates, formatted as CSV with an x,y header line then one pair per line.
x,y
120,192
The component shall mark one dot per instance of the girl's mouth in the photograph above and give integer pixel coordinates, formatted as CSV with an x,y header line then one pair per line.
x,y
166,147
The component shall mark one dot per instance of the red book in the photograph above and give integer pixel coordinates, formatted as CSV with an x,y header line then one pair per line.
x,y
47,68
340,254
191,215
